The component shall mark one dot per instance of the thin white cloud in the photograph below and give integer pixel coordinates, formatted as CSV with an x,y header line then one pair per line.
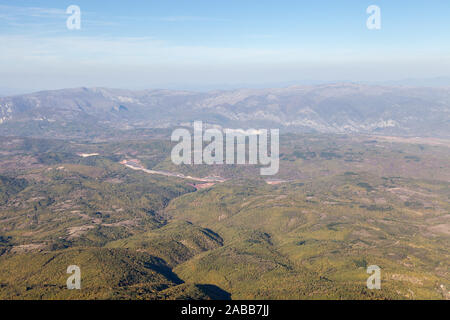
x,y
71,60
12,11
188,19
124,50
150,51
39,21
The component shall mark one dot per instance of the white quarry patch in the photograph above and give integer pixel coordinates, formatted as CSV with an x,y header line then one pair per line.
x,y
381,124
4,119
125,99
86,155
244,132
387,123
8,108
353,126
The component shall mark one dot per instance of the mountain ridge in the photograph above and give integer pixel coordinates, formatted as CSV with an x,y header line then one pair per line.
x,y
329,108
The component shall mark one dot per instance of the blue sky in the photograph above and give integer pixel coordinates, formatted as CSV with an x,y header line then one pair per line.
x,y
211,44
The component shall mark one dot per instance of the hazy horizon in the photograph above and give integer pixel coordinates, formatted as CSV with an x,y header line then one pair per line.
x,y
433,82
203,46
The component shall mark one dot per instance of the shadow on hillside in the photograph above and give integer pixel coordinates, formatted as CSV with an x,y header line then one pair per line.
x,y
215,234
214,292
162,268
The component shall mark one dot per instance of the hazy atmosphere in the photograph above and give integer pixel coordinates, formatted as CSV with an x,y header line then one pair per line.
x,y
202,45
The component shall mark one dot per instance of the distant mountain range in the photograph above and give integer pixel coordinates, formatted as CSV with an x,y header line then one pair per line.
x,y
328,108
